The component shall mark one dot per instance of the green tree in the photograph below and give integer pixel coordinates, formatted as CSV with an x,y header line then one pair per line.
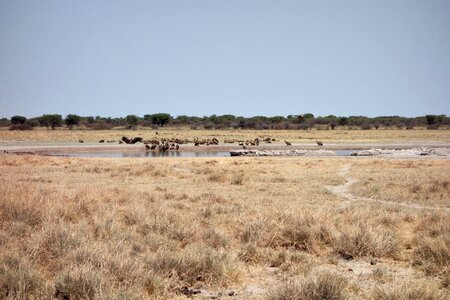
x,y
132,120
72,120
52,121
18,120
159,119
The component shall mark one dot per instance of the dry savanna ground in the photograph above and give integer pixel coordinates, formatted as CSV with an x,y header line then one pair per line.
x,y
42,135
262,228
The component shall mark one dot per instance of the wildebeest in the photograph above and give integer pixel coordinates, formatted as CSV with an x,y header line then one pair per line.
x,y
126,140
288,143
319,143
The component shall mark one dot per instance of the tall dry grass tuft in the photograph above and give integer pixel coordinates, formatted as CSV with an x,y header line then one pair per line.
x,y
362,240
78,283
408,290
324,285
19,280
195,264
306,231
432,244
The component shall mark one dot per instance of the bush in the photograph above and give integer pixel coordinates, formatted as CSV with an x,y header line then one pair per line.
x,y
24,126
365,126
433,127
100,126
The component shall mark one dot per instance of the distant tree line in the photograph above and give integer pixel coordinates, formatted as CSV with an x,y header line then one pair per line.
x,y
303,121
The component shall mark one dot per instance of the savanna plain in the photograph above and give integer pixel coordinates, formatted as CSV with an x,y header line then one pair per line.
x,y
225,227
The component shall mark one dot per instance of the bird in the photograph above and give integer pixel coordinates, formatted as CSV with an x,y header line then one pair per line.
x,y
288,143
319,143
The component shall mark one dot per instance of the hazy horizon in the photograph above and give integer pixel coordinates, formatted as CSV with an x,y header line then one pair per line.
x,y
246,58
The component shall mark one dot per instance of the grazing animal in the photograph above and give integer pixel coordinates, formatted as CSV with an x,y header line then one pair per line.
x,y
288,143
101,141
243,146
319,143
147,147
80,141
126,140
153,147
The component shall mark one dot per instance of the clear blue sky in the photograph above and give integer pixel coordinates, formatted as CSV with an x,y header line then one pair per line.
x,y
114,58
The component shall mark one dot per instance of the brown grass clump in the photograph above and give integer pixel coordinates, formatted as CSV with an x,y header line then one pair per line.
x,y
319,286
362,240
18,280
195,264
408,290
432,244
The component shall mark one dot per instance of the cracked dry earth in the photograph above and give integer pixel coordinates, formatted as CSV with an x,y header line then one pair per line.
x,y
343,191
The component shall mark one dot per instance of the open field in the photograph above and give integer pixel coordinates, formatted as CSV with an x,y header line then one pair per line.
x,y
65,136
262,228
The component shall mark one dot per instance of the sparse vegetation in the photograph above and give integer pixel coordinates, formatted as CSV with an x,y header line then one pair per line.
x,y
139,228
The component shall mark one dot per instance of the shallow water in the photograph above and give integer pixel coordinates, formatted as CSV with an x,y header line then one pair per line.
x,y
152,154
149,154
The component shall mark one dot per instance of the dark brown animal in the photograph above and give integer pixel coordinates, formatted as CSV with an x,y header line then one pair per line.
x,y
319,143
136,140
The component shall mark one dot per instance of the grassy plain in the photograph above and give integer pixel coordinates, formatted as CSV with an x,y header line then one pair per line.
x,y
42,135
263,228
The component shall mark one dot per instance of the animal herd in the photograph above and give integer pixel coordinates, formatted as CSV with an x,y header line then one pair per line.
x,y
174,143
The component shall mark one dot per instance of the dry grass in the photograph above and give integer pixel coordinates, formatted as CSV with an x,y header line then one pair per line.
x,y
296,136
146,228
313,287
422,182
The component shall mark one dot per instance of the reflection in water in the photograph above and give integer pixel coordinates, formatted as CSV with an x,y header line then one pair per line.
x,y
151,154
145,154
